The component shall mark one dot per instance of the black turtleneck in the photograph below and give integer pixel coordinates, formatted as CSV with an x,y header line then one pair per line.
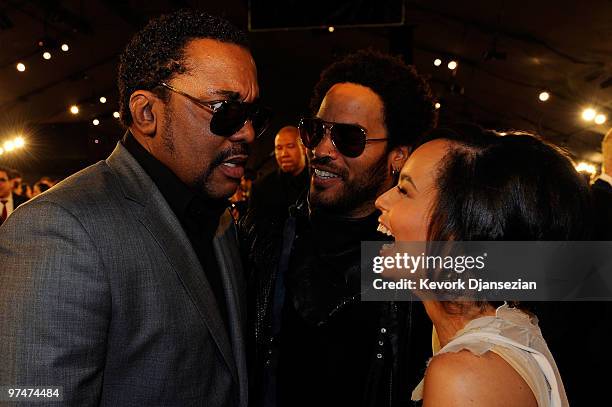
x,y
328,335
199,216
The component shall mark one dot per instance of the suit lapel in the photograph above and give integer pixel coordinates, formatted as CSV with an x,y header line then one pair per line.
x,y
228,258
165,228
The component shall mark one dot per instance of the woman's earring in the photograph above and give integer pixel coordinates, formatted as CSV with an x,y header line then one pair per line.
x,y
394,173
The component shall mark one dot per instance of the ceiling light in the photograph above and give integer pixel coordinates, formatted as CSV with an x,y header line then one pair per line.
x,y
65,47
452,65
600,118
437,105
588,114
437,62
544,96
74,109
116,115
19,142
585,167
102,99
47,55
96,122
331,29
21,67
9,145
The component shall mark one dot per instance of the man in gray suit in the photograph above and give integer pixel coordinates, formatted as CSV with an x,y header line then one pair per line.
x,y
122,284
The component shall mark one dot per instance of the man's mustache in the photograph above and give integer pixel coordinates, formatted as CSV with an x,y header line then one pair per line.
x,y
326,163
321,160
234,150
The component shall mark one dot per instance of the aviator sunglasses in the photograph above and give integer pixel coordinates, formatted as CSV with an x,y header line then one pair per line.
x,y
229,116
349,139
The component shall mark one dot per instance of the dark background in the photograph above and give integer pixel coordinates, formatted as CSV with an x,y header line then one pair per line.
x,y
508,52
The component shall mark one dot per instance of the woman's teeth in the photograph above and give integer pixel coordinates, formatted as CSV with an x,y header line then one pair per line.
x,y
383,229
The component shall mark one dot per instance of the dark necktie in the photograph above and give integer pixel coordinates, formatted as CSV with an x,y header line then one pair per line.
x,y
4,211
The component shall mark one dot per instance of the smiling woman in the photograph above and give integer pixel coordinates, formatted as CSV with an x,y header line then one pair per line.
x,y
466,184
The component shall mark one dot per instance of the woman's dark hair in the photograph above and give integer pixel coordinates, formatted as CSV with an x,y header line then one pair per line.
x,y
512,187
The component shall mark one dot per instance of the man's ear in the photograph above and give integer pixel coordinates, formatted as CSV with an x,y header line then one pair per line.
x,y
143,106
398,157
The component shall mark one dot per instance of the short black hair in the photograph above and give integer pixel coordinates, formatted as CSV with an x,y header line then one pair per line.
x,y
156,53
511,187
408,103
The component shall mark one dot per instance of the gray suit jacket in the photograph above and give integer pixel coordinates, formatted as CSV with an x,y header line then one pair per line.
x,y
102,293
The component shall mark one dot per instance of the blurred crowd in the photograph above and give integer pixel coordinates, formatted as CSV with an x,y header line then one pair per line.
x,y
14,191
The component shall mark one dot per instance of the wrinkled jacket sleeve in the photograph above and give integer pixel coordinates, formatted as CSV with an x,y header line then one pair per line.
x,y
54,304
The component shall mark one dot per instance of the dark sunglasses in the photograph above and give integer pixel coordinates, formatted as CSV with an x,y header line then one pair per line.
x,y
349,139
229,116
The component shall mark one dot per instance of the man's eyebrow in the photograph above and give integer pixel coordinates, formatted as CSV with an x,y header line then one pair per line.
x,y
228,94
408,178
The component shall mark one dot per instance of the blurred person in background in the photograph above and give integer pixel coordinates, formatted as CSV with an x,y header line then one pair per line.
x,y
275,192
9,200
240,200
16,180
48,180
39,188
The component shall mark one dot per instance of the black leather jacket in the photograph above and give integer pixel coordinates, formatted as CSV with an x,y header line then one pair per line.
x,y
401,342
